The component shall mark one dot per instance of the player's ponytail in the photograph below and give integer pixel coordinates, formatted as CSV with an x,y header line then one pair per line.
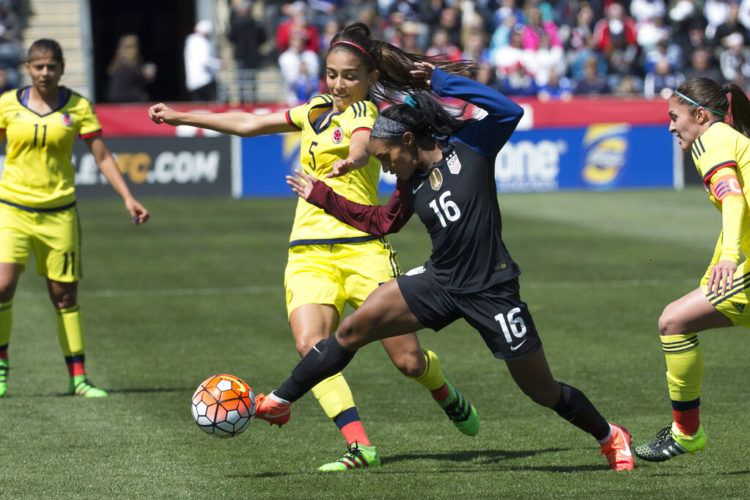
x,y
740,106
394,64
421,115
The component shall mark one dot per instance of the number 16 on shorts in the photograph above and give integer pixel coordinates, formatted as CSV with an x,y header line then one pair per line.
x,y
513,327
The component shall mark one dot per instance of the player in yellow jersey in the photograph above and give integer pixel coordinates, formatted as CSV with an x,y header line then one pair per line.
x,y
38,200
330,263
698,110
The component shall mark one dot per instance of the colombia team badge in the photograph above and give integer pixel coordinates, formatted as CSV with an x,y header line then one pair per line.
x,y
338,135
67,120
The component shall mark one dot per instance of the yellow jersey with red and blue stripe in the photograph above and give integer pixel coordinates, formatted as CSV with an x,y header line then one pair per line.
x,y
326,135
38,171
722,146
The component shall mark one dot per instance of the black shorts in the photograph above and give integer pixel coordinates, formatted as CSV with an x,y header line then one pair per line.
x,y
498,313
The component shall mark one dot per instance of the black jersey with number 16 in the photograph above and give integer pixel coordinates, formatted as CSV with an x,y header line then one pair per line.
x,y
456,199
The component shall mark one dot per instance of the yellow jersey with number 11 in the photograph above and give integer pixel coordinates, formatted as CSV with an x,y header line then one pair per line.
x,y
326,135
38,172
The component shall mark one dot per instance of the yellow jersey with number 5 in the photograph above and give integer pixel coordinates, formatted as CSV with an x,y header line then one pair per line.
x,y
326,135
38,171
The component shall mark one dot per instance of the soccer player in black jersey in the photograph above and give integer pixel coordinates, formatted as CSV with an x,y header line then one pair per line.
x,y
445,171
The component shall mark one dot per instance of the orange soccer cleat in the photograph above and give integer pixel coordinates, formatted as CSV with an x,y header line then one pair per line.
x,y
617,449
272,411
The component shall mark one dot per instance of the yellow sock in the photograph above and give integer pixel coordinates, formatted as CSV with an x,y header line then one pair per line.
x,y
70,331
433,377
334,395
6,320
684,366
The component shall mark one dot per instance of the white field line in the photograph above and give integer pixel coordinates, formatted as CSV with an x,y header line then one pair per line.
x,y
256,290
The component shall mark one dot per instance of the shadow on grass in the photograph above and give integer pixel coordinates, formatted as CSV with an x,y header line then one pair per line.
x,y
737,472
147,390
487,460
135,390
483,456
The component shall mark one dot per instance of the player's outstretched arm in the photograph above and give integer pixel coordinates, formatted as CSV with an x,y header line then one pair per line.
x,y
358,157
377,220
108,166
231,122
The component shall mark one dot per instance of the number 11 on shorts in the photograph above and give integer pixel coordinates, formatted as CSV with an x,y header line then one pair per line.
x,y
511,324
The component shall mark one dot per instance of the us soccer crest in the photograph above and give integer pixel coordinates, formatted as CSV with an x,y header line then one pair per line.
x,y
454,164
436,179
67,120
338,135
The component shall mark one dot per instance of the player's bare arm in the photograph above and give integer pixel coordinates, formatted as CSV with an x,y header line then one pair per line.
x,y
108,166
233,122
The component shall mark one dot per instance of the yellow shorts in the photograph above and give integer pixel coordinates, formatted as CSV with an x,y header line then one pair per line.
x,y
735,302
55,238
337,274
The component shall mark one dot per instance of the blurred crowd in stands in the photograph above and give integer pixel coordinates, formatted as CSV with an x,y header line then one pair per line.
x,y
550,49
14,15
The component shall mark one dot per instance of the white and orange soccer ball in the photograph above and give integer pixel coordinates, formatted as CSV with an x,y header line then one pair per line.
x,y
223,405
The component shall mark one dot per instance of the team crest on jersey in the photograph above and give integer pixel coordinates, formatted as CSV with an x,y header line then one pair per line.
x,y
454,164
338,135
67,120
436,179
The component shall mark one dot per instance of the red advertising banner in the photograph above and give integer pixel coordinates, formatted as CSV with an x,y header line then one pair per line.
x,y
120,120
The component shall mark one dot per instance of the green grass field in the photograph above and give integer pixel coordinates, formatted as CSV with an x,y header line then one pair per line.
x,y
198,290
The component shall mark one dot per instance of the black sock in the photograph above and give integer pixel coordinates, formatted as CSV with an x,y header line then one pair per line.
x,y
576,408
325,359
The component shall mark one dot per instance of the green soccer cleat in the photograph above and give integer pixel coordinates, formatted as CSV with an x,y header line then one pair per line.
x,y
357,457
462,413
669,443
81,386
3,377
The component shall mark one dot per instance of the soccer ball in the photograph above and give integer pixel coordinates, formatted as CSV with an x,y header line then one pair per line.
x,y
223,405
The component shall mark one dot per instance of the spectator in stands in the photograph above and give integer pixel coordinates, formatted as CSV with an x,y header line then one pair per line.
x,y
299,67
508,8
661,80
614,32
663,51
734,62
516,81
644,11
651,32
716,13
247,35
128,75
476,49
10,37
593,82
507,58
731,25
702,65
450,21
501,35
201,66
580,34
296,21
558,87
615,37
535,27
545,60
629,86
683,16
441,46
330,29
